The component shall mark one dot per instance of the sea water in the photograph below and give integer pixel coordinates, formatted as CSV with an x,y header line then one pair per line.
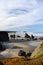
x,y
35,43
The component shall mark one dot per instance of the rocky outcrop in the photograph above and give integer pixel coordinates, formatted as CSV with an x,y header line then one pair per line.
x,y
1,47
29,54
22,53
4,36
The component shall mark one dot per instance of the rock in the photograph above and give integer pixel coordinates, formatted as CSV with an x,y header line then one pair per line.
x,y
4,36
1,47
29,54
22,53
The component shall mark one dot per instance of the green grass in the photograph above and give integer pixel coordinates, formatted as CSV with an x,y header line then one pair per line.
x,y
38,51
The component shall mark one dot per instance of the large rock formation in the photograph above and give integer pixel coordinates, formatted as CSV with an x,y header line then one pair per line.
x,y
27,36
38,51
1,47
4,36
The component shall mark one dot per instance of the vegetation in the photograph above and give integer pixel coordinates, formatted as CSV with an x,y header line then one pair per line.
x,y
23,61
38,51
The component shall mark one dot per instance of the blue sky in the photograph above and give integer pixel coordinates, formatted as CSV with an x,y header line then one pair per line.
x,y
21,15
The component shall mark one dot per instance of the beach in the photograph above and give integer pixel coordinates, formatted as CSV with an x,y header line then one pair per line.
x,y
14,46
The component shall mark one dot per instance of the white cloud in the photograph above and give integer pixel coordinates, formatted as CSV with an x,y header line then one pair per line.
x,y
16,13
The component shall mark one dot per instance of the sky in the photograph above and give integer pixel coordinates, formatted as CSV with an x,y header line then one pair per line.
x,y
21,15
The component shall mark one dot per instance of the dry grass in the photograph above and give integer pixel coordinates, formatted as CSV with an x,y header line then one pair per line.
x,y
23,61
38,51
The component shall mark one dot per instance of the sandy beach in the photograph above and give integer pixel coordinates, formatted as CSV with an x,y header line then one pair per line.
x,y
14,46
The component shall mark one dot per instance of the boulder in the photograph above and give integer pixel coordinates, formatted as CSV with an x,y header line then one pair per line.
x,y
29,54
1,47
22,53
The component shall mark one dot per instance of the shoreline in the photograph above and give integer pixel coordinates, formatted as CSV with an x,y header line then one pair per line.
x,y
10,54
12,48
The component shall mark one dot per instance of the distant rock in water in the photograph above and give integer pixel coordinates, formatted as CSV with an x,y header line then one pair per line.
x,y
38,51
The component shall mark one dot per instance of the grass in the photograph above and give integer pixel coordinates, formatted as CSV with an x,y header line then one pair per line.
x,y
38,51
23,61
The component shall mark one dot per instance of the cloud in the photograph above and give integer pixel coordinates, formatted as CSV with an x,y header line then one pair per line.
x,y
17,13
